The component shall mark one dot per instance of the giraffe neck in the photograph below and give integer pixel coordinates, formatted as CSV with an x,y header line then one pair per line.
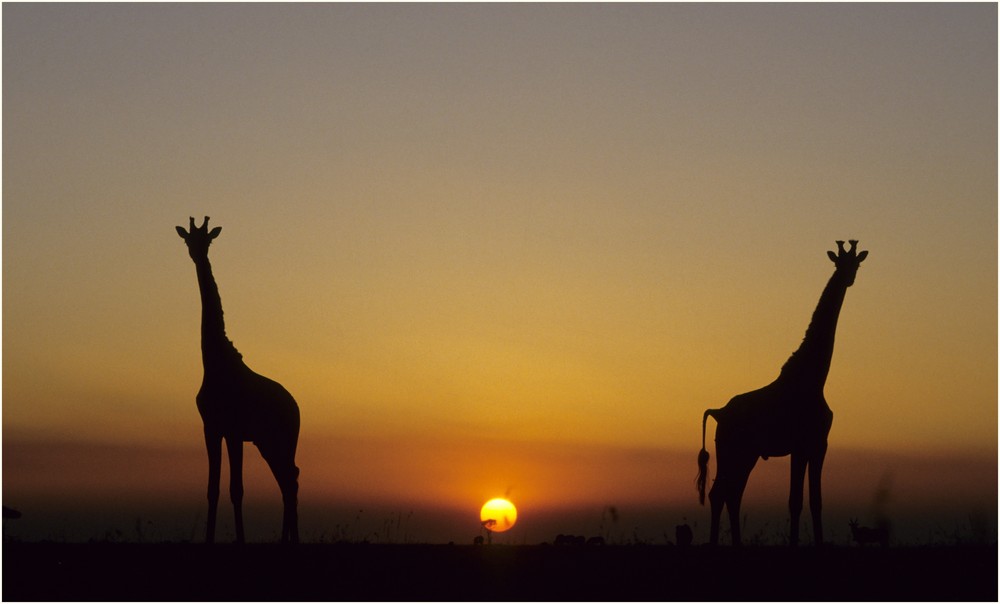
x,y
215,346
811,362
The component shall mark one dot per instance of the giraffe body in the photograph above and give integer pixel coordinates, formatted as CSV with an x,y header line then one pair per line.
x,y
789,416
238,405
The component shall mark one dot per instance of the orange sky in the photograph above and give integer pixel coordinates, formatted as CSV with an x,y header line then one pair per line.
x,y
497,247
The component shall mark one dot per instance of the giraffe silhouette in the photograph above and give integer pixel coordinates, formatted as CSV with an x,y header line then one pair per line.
x,y
789,416
236,405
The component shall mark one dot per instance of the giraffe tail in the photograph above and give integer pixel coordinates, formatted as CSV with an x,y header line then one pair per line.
x,y
703,458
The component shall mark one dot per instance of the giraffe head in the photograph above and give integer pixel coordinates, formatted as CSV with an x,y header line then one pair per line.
x,y
848,261
199,238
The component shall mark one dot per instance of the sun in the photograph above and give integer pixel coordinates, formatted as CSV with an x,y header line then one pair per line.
x,y
498,515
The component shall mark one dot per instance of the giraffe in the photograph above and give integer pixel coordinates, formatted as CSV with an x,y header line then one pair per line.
x,y
789,416
236,404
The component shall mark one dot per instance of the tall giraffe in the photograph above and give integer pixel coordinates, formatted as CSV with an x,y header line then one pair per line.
x,y
238,405
789,416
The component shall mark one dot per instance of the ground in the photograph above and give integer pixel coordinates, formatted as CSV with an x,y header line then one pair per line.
x,y
366,572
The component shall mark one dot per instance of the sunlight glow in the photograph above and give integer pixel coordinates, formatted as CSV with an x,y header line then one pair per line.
x,y
498,515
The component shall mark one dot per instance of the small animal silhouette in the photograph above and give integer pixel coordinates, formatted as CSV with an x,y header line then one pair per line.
x,y
789,416
570,540
863,534
238,405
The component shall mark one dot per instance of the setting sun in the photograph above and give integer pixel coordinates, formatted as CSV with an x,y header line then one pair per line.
x,y
498,515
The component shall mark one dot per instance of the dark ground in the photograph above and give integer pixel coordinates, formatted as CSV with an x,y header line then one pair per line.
x,y
329,572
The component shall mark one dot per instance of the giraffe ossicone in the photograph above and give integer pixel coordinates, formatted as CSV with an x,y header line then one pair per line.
x,y
200,231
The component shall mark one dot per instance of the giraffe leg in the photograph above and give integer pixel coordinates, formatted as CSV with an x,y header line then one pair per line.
x,y
282,463
718,496
795,496
738,484
290,499
234,447
213,442
717,499
733,470
816,495
734,521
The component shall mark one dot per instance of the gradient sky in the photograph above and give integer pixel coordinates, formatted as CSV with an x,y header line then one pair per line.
x,y
495,248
